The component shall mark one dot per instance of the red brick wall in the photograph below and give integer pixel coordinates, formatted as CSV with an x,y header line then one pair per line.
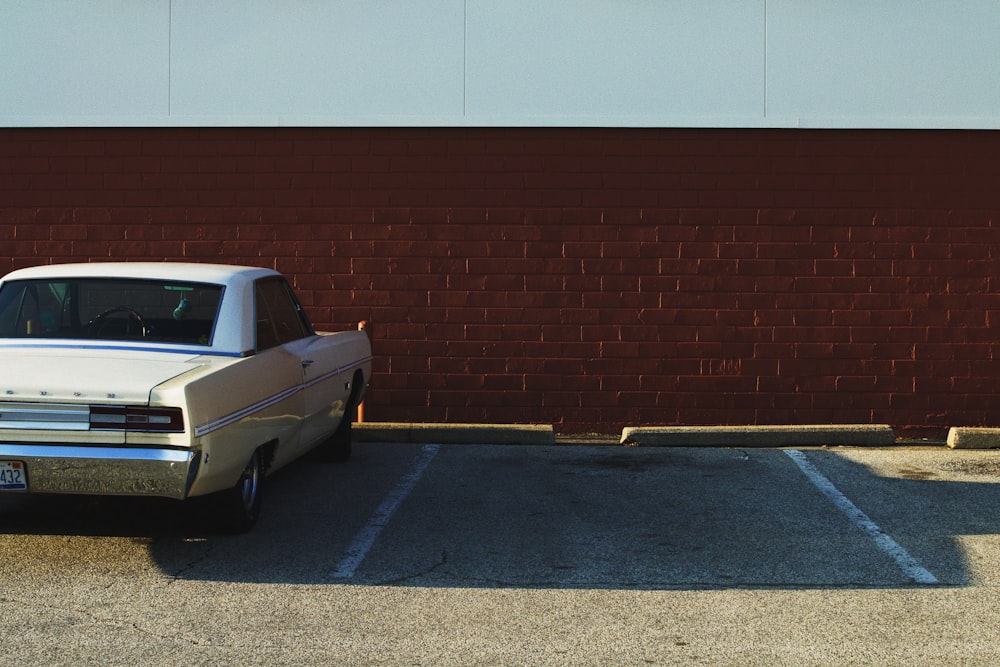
x,y
588,278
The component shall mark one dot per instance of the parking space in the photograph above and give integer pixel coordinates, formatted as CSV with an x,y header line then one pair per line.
x,y
428,554
597,517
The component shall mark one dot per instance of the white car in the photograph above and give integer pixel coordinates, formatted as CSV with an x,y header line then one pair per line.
x,y
167,379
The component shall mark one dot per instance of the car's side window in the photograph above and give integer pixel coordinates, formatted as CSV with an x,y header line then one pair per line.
x,y
279,317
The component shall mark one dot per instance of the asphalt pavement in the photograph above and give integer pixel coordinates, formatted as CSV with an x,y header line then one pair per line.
x,y
427,553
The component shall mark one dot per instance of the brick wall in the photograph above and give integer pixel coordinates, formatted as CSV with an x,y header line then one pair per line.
x,y
588,278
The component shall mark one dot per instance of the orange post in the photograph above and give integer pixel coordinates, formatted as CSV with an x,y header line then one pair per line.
x,y
362,325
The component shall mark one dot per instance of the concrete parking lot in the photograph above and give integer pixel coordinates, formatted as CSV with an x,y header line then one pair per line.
x,y
432,554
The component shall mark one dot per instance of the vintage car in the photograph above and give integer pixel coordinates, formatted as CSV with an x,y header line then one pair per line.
x,y
168,379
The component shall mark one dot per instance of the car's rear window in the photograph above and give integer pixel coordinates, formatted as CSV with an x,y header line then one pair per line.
x,y
110,309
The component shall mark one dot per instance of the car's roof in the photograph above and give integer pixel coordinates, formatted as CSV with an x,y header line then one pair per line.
x,y
189,272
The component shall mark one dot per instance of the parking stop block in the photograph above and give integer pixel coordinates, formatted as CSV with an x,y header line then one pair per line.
x,y
817,435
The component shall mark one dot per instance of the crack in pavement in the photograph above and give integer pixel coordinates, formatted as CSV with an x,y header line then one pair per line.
x,y
98,619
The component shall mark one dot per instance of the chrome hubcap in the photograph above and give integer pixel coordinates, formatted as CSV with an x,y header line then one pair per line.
x,y
249,483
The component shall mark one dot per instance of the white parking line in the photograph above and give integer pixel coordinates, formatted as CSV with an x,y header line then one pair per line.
x,y
911,568
363,541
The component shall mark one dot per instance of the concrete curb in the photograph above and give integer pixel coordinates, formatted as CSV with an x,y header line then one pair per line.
x,y
455,434
973,438
847,435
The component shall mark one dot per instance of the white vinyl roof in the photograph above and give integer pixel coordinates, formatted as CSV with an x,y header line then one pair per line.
x,y
219,274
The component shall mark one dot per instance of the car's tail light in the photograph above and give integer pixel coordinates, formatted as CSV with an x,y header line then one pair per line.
x,y
136,418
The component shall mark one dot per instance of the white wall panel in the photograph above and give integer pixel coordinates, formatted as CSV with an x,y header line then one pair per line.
x,y
611,62
884,63
61,60
726,63
356,60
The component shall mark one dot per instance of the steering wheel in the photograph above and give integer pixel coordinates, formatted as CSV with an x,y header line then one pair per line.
x,y
96,325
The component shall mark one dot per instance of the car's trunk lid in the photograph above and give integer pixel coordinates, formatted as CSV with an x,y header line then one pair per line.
x,y
85,375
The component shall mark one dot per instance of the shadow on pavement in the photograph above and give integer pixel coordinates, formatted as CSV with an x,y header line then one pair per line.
x,y
550,517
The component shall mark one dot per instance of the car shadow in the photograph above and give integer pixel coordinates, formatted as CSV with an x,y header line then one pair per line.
x,y
551,517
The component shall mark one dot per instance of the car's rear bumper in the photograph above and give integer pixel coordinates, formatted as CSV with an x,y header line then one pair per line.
x,y
105,470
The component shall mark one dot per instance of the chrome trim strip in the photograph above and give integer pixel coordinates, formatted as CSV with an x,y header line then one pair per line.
x,y
226,420
130,348
44,416
45,426
342,369
15,450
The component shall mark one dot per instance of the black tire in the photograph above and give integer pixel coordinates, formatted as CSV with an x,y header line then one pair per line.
x,y
238,508
338,448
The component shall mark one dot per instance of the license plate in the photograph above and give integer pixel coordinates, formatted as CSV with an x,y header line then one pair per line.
x,y
13,476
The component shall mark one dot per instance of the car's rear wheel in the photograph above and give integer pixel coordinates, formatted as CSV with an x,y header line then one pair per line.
x,y
338,447
340,444
238,507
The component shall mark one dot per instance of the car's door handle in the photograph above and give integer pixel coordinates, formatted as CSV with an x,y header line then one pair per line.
x,y
307,362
